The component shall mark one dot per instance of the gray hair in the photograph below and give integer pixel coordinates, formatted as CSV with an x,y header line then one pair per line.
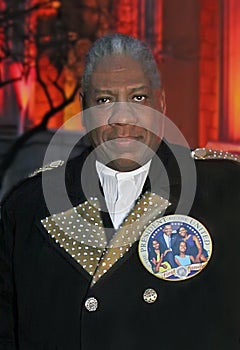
x,y
120,44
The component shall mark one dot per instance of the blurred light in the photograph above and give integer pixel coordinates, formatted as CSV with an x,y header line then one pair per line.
x,y
56,4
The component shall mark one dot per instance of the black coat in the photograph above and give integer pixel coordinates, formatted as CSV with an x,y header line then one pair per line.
x,y
43,288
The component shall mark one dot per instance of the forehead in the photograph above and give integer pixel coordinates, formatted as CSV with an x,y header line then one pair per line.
x,y
118,71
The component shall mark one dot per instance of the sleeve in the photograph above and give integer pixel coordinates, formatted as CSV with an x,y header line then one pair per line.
x,y
7,338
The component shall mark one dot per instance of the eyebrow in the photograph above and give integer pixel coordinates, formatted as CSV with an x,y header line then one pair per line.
x,y
103,91
142,87
107,91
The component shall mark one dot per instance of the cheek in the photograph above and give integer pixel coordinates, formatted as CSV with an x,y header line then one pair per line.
x,y
97,135
154,141
154,125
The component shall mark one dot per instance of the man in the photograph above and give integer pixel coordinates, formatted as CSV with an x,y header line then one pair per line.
x,y
169,242
73,273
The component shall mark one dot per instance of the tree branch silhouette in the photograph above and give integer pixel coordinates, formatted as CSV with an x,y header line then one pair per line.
x,y
11,154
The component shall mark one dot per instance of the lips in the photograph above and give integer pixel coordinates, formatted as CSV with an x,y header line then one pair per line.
x,y
126,141
125,137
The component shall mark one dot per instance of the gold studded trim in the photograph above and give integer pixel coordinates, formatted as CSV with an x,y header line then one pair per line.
x,y
81,233
208,153
47,167
148,208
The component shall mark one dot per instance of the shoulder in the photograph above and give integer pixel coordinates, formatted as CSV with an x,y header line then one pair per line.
x,y
204,162
53,165
25,196
21,198
217,163
199,155
193,238
214,154
218,178
24,186
30,190
215,172
31,185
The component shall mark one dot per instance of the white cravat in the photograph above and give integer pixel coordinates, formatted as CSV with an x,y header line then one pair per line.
x,y
121,189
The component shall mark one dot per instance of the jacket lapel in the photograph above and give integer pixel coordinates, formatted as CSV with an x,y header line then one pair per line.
x,y
147,208
80,232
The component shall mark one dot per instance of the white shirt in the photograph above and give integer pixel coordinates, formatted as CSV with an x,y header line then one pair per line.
x,y
167,240
121,189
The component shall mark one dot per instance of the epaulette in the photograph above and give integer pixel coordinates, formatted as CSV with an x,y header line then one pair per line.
x,y
22,182
50,166
208,153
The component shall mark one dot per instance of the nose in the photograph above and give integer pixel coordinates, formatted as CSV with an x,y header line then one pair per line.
x,y
123,113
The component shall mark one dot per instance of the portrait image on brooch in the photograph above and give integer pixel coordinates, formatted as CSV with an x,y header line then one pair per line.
x,y
176,249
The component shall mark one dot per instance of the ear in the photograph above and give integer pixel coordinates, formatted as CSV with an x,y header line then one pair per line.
x,y
163,101
160,100
82,100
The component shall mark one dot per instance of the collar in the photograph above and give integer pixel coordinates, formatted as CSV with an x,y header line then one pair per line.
x,y
104,172
164,172
121,189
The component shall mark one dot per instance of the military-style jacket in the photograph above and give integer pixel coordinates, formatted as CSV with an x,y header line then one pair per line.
x,y
69,281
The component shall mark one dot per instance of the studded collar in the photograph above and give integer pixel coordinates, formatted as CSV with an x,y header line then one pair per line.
x,y
80,232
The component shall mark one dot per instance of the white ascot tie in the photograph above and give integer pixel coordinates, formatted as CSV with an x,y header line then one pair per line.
x,y
121,189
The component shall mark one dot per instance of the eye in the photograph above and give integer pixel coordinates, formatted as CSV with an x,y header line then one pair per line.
x,y
103,100
139,98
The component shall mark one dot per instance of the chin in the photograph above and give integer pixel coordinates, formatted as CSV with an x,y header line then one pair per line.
x,y
123,164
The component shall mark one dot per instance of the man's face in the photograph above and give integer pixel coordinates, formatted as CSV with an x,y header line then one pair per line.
x,y
127,132
167,230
